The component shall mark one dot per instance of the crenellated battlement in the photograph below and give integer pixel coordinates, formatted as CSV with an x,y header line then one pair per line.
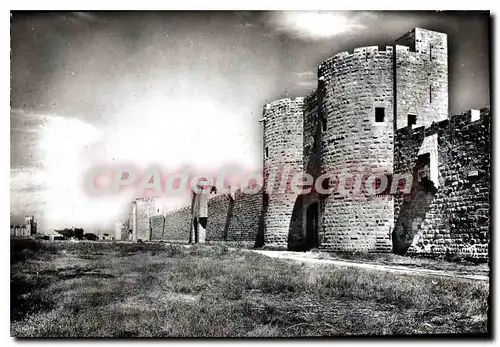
x,y
406,52
236,194
284,101
145,199
311,101
472,116
469,117
176,210
402,49
216,198
360,53
311,97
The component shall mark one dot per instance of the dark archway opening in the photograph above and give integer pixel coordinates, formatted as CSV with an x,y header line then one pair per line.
x,y
296,239
312,226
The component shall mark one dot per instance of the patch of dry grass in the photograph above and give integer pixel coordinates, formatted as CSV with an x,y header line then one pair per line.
x,y
63,289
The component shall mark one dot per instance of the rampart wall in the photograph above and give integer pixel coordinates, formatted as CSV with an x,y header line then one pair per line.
x,y
457,220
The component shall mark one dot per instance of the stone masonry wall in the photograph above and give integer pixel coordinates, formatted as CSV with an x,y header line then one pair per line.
x,y
244,217
352,86
407,142
312,133
282,153
177,225
421,85
157,224
145,208
218,209
229,219
297,238
458,220
122,230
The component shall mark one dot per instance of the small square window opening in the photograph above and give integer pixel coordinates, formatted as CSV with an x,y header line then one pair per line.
x,y
412,119
379,114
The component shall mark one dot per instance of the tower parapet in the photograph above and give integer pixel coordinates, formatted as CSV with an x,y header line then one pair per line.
x,y
421,78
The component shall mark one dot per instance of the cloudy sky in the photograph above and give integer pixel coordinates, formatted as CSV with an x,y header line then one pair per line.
x,y
181,89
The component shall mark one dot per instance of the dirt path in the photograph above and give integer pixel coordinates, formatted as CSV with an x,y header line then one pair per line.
x,y
312,258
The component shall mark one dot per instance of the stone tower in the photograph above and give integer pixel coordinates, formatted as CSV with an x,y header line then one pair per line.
x,y
348,129
283,157
356,115
30,225
421,91
142,210
421,78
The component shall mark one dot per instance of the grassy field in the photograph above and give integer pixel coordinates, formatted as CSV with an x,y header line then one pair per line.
x,y
66,289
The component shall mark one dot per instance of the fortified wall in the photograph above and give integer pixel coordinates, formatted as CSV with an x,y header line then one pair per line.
x,y
378,119
231,217
448,213
174,226
376,112
220,209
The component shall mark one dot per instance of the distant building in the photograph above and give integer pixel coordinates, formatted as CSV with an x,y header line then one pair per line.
x,y
76,233
142,210
27,229
91,237
123,230
107,237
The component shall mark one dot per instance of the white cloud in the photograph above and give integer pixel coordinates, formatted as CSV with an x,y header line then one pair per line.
x,y
305,74
61,145
305,79
313,24
25,179
306,83
168,132
174,133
